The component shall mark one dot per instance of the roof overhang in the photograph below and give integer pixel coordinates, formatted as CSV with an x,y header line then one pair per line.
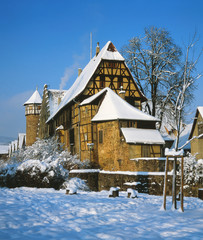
x,y
142,136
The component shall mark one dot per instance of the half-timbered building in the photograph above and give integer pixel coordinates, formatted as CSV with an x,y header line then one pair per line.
x,y
100,117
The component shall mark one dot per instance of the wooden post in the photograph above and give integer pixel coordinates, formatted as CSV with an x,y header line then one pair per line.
x,y
174,184
182,176
165,182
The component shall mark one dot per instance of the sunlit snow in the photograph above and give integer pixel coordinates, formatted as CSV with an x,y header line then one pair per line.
x,y
29,213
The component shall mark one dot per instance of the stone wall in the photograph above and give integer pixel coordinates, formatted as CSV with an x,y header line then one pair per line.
x,y
151,183
31,129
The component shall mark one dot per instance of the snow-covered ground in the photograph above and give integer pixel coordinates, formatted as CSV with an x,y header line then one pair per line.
x,y
30,213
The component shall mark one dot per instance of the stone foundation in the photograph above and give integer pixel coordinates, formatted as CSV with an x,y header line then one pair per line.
x,y
143,182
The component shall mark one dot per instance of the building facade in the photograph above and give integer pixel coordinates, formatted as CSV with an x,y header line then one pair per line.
x,y
99,117
196,135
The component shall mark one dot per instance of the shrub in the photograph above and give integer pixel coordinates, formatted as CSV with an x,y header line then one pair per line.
x,y
44,164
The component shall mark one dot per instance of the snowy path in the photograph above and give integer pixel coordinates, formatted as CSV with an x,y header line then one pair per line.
x,y
29,213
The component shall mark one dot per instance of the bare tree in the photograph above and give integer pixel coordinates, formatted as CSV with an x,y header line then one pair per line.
x,y
188,77
154,60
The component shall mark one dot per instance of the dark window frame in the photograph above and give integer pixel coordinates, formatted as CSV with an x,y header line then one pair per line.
x,y
101,136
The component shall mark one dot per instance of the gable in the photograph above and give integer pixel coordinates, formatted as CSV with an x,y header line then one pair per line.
x,y
198,119
114,74
108,67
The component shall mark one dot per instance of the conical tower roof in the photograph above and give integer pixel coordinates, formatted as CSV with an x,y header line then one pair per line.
x,y
34,99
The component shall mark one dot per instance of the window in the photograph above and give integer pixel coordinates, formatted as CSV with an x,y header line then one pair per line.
x,y
200,128
71,135
100,136
86,110
112,65
131,124
145,151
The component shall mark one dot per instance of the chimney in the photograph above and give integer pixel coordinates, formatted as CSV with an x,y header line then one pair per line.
x,y
122,93
97,49
79,71
59,100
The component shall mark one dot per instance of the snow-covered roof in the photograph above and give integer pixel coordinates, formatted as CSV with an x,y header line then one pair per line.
x,y
200,109
108,52
142,136
53,96
34,99
114,107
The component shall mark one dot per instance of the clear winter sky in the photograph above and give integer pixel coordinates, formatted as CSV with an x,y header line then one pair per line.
x,y
45,41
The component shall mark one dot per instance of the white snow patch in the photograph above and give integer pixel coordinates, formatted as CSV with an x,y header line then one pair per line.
x,y
133,193
172,152
132,183
30,213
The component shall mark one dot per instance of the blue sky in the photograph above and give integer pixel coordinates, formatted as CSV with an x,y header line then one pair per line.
x,y
42,40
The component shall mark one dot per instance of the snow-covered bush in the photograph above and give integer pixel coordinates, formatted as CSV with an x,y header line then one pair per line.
x,y
44,164
193,170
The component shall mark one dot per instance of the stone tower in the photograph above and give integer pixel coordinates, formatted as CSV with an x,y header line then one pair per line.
x,y
32,113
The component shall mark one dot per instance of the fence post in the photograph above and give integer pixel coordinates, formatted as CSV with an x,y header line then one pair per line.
x,y
165,182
